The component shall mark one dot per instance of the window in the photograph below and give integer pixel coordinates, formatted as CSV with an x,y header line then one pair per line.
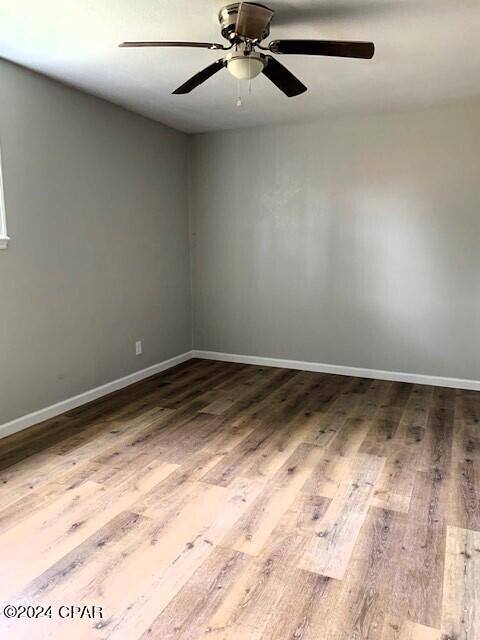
x,y
3,221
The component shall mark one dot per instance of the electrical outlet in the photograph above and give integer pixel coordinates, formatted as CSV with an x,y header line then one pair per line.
x,y
138,348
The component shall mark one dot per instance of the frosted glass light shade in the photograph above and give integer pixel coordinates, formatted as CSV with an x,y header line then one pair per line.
x,y
245,67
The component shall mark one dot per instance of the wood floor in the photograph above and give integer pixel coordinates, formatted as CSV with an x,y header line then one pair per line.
x,y
223,501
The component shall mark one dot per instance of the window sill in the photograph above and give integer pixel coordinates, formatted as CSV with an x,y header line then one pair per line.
x,y
4,242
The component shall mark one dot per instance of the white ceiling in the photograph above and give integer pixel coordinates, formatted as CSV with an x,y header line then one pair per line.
x,y
427,51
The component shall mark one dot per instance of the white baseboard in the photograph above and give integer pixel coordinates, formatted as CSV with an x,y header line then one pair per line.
x,y
378,374
29,420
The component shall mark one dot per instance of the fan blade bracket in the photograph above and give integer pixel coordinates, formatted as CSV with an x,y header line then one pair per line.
x,y
198,45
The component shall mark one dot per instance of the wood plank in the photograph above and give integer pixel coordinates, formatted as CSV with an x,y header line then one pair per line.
x,y
330,422
351,435
366,591
248,609
280,427
307,510
461,589
253,530
420,554
437,442
327,476
191,609
64,524
304,609
464,486
33,472
397,629
411,429
78,577
328,549
178,567
394,488
219,406
36,500
386,421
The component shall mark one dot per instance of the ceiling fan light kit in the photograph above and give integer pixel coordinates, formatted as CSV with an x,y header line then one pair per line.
x,y
244,66
245,25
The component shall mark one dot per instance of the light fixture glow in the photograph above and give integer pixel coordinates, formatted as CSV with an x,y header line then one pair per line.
x,y
245,67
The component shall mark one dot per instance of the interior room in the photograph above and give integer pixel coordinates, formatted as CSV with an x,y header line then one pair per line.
x,y
239,320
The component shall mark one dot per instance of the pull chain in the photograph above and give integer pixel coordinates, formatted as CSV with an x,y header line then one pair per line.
x,y
239,94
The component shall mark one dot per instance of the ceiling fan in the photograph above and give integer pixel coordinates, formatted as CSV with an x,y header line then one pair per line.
x,y
245,25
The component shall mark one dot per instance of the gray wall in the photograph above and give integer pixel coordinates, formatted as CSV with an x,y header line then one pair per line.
x,y
352,241
97,211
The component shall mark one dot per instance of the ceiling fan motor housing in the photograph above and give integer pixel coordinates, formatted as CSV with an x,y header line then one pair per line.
x,y
228,21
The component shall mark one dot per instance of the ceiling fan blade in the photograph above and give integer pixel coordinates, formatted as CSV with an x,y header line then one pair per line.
x,y
283,78
324,48
200,77
201,45
252,20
